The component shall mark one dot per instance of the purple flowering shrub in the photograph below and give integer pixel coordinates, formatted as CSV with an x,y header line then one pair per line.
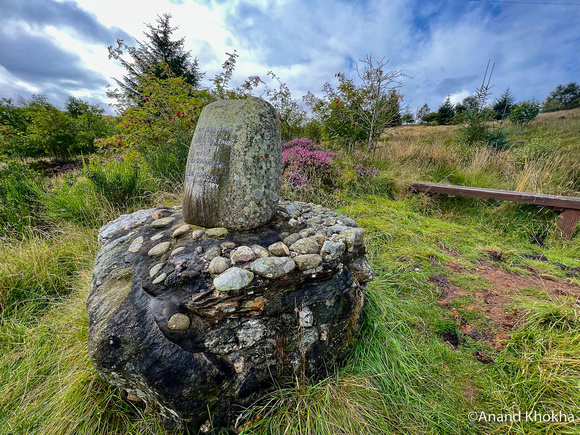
x,y
307,166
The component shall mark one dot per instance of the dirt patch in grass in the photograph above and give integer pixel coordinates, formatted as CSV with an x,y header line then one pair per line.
x,y
483,311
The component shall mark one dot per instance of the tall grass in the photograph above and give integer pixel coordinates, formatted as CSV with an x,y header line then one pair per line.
x,y
50,387
42,268
19,191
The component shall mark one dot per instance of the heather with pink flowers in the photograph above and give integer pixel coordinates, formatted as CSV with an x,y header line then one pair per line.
x,y
307,167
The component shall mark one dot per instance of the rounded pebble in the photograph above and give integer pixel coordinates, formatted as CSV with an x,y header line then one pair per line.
x,y
136,244
197,234
260,251
233,279
159,249
163,222
180,231
178,322
157,236
160,278
219,265
155,269
242,254
177,250
279,249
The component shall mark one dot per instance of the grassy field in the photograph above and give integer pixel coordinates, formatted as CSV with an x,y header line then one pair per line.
x,y
472,320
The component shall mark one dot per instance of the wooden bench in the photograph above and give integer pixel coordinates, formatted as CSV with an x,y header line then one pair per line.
x,y
569,206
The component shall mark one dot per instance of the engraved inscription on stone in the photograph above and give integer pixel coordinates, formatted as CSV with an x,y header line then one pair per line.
x,y
234,166
209,143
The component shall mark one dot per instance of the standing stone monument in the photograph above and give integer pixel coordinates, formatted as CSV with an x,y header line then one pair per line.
x,y
201,309
234,167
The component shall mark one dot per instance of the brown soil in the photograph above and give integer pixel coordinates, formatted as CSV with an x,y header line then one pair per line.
x,y
493,301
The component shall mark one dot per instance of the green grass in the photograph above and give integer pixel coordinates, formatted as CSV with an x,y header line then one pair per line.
x,y
403,377
41,268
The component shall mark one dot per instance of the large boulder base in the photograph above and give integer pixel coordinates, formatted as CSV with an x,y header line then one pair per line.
x,y
201,321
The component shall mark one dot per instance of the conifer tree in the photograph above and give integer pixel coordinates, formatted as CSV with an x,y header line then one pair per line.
x,y
446,112
503,105
160,56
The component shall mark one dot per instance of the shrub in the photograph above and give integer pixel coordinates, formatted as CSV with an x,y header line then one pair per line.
x,y
524,113
563,98
54,133
497,138
19,192
161,128
430,118
306,166
359,114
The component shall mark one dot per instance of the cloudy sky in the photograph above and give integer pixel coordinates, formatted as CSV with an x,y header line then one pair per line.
x,y
59,48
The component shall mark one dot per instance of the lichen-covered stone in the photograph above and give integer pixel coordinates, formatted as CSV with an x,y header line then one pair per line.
x,y
331,251
308,261
291,239
242,254
273,267
216,233
309,245
233,279
351,237
234,167
260,251
279,249
173,332
219,265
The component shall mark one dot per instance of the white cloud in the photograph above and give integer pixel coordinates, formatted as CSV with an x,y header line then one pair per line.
x,y
459,96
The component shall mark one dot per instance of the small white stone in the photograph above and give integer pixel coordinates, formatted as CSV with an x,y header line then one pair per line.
x,y
155,269
160,278
177,250
305,317
136,244
159,249
157,236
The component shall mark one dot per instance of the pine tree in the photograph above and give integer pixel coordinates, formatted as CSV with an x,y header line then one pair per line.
x,y
446,112
159,57
504,105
